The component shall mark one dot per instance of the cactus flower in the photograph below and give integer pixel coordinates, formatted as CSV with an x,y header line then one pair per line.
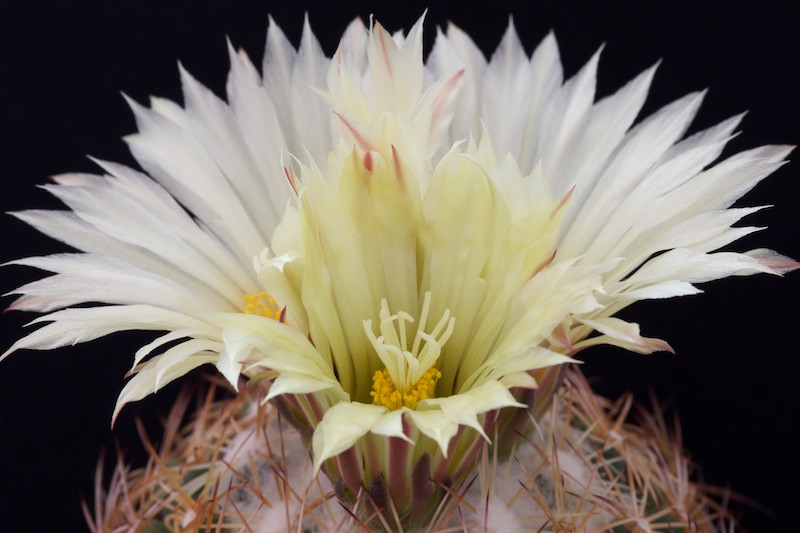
x,y
397,249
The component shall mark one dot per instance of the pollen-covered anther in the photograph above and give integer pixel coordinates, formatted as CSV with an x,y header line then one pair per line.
x,y
385,393
262,304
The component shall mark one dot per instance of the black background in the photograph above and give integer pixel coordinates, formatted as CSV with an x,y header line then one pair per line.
x,y
733,382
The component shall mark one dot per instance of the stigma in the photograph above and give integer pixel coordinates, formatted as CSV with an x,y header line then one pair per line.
x,y
410,374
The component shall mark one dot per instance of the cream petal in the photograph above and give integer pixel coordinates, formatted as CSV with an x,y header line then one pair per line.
x,y
435,425
230,369
464,408
288,383
390,424
342,425
276,345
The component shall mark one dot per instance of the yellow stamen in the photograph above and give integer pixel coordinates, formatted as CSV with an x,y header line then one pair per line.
x,y
262,304
385,393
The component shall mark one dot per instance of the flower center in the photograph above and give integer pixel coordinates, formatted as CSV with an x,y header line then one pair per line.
x,y
409,375
262,304
386,394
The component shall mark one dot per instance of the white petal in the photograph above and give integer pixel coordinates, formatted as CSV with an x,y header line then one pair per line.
x,y
775,262
625,334
216,127
664,289
506,91
72,326
694,267
640,150
312,115
565,118
91,278
279,59
546,77
456,52
172,336
174,157
144,383
177,355
261,132
609,121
